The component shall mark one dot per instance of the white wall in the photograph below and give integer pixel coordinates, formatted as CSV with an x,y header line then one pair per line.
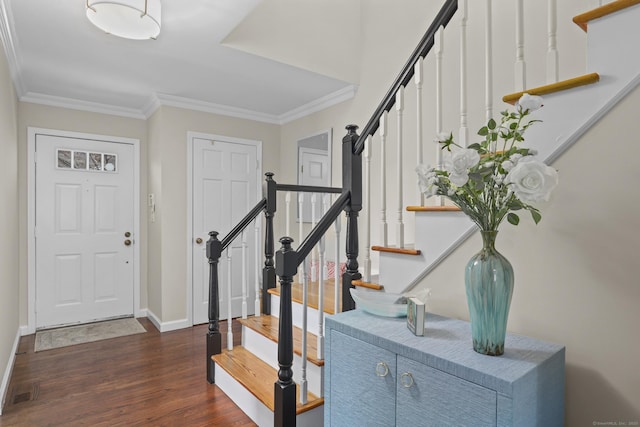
x,y
168,129
9,309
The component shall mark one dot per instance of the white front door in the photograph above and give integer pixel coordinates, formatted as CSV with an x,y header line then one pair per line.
x,y
84,219
313,170
225,187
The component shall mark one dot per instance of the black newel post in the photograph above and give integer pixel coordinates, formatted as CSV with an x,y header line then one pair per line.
x,y
214,339
269,272
285,389
352,182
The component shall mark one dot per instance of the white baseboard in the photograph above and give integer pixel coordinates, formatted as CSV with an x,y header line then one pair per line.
x,y
7,373
167,326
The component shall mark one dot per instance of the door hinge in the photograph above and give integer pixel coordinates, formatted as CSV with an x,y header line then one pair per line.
x,y
302,169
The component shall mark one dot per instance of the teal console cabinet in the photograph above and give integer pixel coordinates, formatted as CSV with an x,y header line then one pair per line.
x,y
377,373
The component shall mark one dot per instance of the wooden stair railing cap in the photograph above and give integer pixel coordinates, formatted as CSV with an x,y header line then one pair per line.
x,y
583,19
586,79
405,251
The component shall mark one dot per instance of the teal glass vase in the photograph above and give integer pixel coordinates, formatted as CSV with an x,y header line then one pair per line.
x,y
489,286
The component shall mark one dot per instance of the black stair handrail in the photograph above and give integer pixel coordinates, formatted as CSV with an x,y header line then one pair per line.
x,y
214,252
426,43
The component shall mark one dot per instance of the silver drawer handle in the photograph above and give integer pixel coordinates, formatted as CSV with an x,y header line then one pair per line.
x,y
382,370
406,380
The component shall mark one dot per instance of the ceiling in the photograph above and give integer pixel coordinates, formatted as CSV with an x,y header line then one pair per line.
x,y
58,57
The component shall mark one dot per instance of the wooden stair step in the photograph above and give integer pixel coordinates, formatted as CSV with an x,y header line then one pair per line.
x,y
267,326
433,209
368,285
258,377
312,294
391,249
583,19
587,79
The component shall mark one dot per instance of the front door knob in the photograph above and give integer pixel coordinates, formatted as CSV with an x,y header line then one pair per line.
x,y
199,240
127,242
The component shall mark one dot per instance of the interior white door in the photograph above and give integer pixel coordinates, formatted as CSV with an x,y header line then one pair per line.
x,y
313,170
225,187
84,230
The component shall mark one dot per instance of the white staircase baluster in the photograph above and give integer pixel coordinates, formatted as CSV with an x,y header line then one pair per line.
x,y
287,213
314,260
438,46
229,317
488,61
383,179
257,311
520,66
337,269
245,282
552,50
366,264
300,229
305,304
417,73
464,128
399,168
321,268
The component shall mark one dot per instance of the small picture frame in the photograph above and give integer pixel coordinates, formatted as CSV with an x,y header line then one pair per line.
x,y
415,316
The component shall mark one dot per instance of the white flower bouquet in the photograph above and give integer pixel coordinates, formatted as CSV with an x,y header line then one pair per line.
x,y
494,178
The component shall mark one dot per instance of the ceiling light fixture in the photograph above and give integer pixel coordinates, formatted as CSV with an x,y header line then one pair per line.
x,y
131,19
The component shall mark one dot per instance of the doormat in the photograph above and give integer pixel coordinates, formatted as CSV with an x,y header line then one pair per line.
x,y
72,335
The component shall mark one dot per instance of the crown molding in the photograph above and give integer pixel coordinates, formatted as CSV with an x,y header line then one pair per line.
x,y
319,104
158,100
76,104
9,42
210,107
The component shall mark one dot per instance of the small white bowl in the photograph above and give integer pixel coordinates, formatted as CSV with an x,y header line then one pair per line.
x,y
379,303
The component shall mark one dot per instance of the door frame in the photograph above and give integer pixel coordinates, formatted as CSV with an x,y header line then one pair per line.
x,y
191,135
32,132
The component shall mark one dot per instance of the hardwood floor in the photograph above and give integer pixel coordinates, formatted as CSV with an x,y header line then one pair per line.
x,y
148,379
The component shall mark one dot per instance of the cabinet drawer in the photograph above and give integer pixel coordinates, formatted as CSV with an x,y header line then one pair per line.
x,y
362,388
427,396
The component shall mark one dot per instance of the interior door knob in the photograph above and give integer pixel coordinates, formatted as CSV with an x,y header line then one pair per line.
x,y
199,240
127,242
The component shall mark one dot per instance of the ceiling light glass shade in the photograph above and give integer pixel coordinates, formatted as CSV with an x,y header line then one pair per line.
x,y
131,19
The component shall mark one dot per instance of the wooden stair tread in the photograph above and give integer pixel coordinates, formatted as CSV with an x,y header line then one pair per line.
x,y
433,209
312,294
368,285
268,327
586,79
583,19
258,377
391,249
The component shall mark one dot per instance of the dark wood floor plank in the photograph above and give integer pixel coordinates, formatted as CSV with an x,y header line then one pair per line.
x,y
148,379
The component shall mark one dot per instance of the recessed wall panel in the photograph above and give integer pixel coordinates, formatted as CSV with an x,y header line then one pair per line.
x,y
105,203
105,279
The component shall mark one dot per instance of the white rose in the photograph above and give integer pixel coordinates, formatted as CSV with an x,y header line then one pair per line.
x,y
529,103
532,181
427,180
459,163
442,137
507,165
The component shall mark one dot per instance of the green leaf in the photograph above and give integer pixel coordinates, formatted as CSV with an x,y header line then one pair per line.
x,y
483,131
513,218
492,124
475,146
536,216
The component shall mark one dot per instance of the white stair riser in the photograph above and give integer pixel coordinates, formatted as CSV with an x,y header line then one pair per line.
x,y
267,350
255,409
296,314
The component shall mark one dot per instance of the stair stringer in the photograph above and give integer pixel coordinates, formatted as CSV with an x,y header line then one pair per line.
x,y
566,116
